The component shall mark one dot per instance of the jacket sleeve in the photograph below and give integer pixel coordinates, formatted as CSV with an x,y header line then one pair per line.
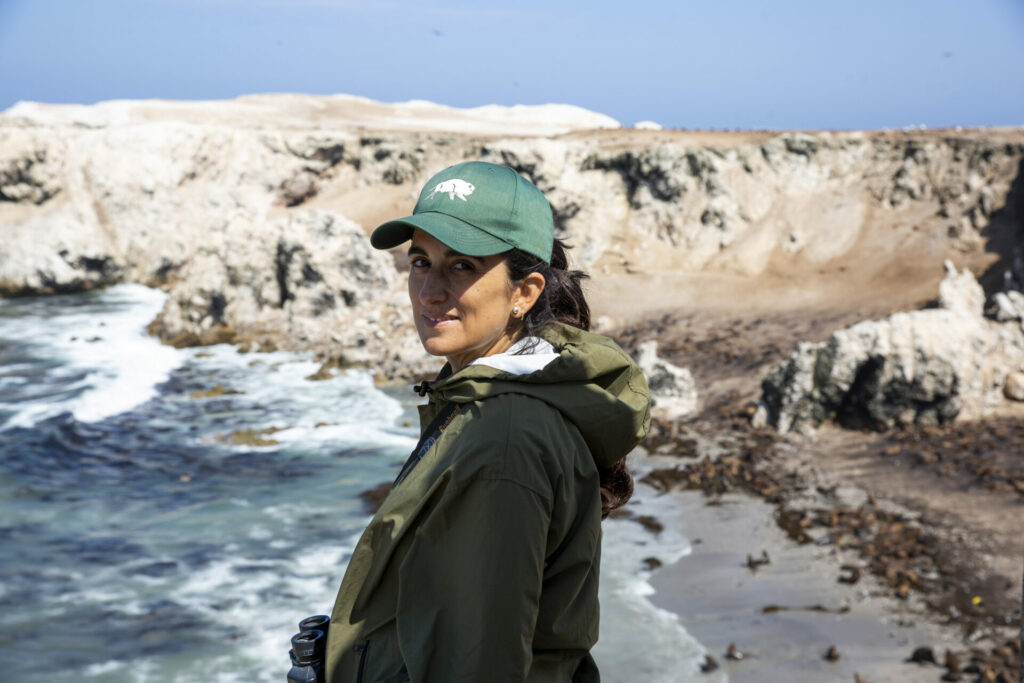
x,y
470,584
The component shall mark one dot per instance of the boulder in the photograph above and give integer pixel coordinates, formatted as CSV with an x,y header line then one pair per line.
x,y
1009,306
923,367
1014,387
673,391
961,292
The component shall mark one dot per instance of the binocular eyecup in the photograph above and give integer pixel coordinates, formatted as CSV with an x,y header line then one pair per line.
x,y
309,648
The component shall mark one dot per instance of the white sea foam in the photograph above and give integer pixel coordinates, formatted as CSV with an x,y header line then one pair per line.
x,y
254,595
260,654
347,408
103,668
120,364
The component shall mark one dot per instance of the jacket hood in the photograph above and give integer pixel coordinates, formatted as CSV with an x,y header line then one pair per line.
x,y
592,382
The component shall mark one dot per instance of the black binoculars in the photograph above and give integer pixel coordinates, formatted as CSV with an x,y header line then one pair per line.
x,y
309,648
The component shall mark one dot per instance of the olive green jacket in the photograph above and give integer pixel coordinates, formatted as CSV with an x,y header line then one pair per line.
x,y
482,564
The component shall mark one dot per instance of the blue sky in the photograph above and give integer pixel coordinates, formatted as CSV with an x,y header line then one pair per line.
x,y
713,64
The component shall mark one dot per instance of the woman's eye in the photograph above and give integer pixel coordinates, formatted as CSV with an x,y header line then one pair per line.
x,y
419,262
462,265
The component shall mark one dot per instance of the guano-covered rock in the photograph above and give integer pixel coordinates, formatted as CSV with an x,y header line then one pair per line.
x,y
922,367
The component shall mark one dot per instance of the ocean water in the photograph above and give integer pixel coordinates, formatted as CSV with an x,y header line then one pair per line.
x,y
169,515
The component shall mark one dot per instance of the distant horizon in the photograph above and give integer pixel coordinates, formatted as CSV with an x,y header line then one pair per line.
x,y
731,65
909,128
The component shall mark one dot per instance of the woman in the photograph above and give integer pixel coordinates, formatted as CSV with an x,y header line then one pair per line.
x,y
482,563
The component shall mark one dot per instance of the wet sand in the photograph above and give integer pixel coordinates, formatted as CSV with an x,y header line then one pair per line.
x,y
785,615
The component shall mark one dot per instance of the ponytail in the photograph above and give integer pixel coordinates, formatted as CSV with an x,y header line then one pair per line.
x,y
562,301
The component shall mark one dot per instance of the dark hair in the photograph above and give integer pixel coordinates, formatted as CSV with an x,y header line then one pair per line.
x,y
563,301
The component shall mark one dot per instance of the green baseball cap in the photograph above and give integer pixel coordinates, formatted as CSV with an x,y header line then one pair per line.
x,y
477,209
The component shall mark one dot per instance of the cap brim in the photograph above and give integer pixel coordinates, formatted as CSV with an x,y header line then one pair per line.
x,y
450,231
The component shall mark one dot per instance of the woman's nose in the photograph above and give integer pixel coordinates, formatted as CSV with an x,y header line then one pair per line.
x,y
432,289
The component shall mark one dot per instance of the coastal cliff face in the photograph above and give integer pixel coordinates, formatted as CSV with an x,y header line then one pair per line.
x,y
253,217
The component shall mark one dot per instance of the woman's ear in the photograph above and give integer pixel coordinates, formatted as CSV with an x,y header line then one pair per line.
x,y
527,291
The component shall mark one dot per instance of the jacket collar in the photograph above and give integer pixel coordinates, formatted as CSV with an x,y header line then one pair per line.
x,y
526,356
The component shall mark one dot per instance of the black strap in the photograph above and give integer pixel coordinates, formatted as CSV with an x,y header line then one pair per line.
x,y
430,436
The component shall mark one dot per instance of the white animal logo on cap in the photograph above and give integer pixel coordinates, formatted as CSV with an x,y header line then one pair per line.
x,y
453,188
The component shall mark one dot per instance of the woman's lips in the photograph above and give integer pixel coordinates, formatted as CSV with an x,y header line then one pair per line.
x,y
438,320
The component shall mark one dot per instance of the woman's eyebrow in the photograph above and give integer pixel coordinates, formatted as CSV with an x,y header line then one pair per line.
x,y
451,253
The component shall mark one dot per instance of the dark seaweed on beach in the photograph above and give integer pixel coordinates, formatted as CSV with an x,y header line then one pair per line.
x,y
906,554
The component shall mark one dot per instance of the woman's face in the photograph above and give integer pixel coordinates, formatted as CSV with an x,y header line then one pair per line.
x,y
462,305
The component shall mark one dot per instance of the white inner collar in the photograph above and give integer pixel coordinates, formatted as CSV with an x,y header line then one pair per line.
x,y
527,355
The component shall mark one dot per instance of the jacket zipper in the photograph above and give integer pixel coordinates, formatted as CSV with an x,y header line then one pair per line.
x,y
361,648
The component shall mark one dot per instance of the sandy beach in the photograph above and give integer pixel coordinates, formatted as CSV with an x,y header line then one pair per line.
x,y
785,615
